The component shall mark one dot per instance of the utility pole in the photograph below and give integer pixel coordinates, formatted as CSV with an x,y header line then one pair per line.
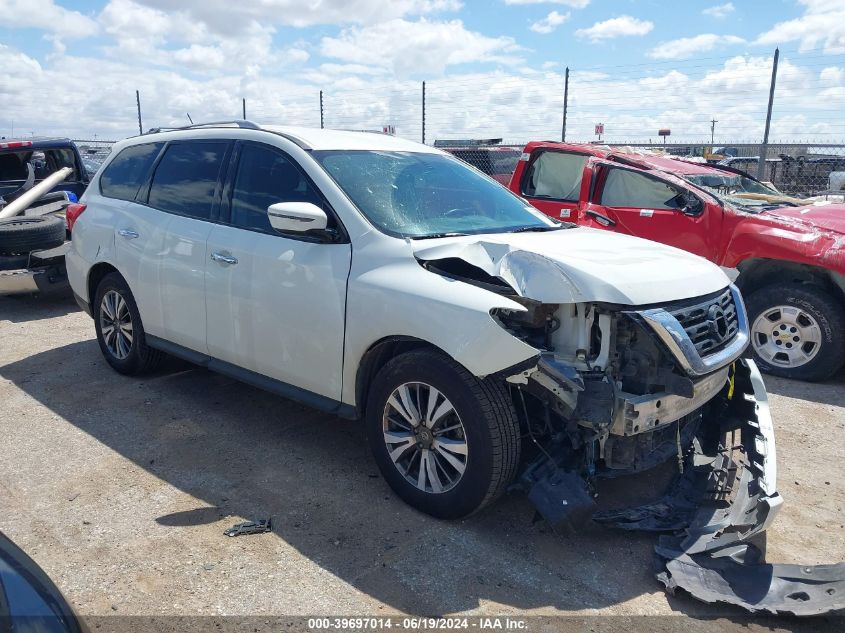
x,y
713,123
423,113
764,148
138,101
321,109
565,104
244,107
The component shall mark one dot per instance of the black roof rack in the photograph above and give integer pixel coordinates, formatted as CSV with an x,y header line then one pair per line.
x,y
241,123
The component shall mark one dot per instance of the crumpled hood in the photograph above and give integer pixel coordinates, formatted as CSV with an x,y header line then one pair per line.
x,y
582,265
826,216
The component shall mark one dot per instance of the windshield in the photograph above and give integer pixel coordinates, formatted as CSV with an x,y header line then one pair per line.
x,y
733,189
418,195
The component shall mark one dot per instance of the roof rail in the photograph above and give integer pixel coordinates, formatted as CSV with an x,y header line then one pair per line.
x,y
241,123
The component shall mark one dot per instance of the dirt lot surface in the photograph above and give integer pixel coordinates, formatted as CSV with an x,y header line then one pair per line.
x,y
121,488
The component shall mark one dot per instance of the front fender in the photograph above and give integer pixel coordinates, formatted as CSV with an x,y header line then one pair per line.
x,y
404,300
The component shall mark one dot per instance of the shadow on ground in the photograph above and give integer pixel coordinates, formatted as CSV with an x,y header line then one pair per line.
x,y
26,308
250,454
830,392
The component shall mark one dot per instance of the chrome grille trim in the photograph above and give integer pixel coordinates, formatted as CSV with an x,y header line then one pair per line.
x,y
678,341
710,324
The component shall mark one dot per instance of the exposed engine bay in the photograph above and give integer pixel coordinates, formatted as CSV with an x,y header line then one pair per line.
x,y
617,390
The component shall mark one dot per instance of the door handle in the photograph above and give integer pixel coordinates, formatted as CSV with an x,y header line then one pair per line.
x,y
601,218
128,234
224,259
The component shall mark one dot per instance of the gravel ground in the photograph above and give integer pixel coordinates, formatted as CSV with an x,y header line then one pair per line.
x,y
120,488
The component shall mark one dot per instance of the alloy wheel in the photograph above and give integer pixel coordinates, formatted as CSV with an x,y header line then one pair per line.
x,y
116,324
786,336
425,437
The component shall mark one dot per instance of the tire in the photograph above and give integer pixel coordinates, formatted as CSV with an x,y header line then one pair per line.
x,y
820,316
489,431
20,235
133,358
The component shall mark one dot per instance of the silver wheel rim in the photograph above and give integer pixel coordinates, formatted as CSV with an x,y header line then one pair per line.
x,y
425,437
786,336
116,324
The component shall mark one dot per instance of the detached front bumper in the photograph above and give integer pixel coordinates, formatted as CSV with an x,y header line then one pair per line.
x,y
718,511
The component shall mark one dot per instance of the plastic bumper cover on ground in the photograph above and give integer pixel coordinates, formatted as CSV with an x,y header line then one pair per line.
x,y
719,510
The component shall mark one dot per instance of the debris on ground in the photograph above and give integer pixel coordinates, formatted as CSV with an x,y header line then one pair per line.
x,y
249,527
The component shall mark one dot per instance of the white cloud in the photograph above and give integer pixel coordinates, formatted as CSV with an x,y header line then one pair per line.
x,y
550,22
575,4
823,24
225,17
418,47
176,39
686,47
616,27
464,105
832,76
720,10
48,16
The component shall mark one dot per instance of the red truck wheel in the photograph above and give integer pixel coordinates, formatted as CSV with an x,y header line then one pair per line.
x,y
797,331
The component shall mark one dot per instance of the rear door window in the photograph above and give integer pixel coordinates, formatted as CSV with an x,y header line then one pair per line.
x,y
624,188
265,176
186,178
555,175
124,176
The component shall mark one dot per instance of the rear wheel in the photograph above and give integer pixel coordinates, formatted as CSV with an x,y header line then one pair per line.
x,y
797,331
445,441
120,332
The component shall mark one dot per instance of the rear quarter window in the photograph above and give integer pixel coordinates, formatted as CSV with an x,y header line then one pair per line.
x,y
123,177
555,175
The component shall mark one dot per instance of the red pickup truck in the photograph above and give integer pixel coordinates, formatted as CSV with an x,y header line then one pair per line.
x,y
789,254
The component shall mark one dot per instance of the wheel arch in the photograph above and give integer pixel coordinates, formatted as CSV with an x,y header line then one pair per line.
x,y
95,276
758,272
377,356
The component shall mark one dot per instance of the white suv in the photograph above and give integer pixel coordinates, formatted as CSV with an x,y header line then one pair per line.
x,y
482,343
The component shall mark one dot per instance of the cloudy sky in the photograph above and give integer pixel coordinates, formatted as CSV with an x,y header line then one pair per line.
x,y
492,68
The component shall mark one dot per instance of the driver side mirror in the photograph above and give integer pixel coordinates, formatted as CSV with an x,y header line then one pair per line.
x,y
297,217
689,204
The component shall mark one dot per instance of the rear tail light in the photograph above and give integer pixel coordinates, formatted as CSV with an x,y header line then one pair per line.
x,y
72,213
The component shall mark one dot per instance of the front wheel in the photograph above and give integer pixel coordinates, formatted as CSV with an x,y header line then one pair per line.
x,y
797,331
445,441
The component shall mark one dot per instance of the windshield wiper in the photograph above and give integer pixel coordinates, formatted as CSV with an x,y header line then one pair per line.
x,y
540,229
432,236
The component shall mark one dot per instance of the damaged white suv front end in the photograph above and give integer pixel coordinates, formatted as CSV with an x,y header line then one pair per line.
x,y
617,389
622,380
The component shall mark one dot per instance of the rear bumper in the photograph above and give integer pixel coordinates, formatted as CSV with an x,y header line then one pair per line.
x,y
32,280
39,272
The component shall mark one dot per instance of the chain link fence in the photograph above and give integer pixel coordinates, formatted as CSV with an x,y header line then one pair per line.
x,y
94,152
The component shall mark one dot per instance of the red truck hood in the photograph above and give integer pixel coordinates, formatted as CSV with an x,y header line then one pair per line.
x,y
829,216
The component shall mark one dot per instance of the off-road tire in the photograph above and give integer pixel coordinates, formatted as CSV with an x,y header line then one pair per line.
x,y
141,358
826,309
21,235
489,419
